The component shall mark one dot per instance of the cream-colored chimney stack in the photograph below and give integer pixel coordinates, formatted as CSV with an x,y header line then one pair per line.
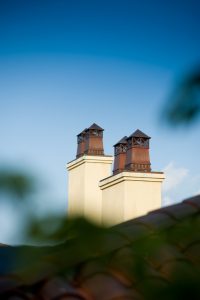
x,y
85,173
133,190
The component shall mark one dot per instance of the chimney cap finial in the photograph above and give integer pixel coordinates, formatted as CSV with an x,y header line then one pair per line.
x,y
95,126
138,133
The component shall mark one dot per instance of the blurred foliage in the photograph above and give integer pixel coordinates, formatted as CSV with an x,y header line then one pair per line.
x,y
183,106
80,244
16,183
56,229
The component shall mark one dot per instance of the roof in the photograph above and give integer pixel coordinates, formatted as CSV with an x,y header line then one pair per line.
x,y
122,141
95,126
156,256
3,245
83,131
139,133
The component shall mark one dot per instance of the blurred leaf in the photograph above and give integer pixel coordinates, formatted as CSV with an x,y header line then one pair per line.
x,y
61,228
73,241
85,245
16,183
183,106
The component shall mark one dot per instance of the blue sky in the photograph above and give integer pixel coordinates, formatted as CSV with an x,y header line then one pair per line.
x,y
67,64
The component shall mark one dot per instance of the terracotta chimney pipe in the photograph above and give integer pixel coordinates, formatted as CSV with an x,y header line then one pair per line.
x,y
80,143
120,155
137,155
94,140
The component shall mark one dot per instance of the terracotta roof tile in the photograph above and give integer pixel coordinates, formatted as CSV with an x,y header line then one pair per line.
x,y
155,282
193,252
122,277
155,220
180,211
164,253
133,232
106,287
185,232
166,243
57,288
177,266
89,269
194,201
121,261
113,240
125,262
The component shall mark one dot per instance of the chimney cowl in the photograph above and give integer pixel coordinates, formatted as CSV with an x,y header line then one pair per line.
x,y
137,155
94,140
81,143
120,149
94,126
139,133
138,139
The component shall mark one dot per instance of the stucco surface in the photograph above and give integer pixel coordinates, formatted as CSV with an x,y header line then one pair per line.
x,y
84,193
129,195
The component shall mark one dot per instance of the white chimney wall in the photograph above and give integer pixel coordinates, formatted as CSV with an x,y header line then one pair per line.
x,y
84,193
128,195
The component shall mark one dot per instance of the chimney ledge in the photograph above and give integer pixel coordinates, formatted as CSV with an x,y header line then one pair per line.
x,y
131,176
107,159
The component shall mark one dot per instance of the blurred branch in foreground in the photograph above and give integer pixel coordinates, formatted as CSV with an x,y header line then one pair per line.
x,y
183,106
15,183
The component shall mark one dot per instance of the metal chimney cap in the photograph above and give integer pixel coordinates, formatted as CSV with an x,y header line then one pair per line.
x,y
95,126
138,133
122,141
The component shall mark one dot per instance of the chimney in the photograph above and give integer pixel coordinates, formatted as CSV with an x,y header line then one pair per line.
x,y
137,155
94,140
85,173
120,155
135,190
80,143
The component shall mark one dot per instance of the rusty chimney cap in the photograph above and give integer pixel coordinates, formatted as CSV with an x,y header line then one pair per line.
x,y
122,141
82,132
95,127
139,134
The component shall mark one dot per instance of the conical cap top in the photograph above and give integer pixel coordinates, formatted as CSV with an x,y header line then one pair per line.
x,y
122,141
96,127
138,133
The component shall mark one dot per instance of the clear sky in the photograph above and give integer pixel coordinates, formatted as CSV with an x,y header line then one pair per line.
x,y
67,64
